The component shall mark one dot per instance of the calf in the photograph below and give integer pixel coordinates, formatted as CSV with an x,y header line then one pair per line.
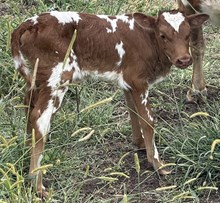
x,y
212,8
135,51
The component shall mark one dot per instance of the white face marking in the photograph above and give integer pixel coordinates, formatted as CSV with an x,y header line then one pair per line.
x,y
113,22
174,20
121,52
66,17
43,122
156,154
144,98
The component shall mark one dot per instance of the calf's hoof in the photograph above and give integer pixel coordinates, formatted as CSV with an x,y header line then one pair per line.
x,y
164,171
158,166
196,96
43,194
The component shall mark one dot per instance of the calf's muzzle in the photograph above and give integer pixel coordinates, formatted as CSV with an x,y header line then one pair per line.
x,y
184,61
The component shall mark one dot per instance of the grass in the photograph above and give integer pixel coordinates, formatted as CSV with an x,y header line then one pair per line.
x,y
107,167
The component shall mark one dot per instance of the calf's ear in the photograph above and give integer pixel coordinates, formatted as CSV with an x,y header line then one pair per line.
x,y
197,20
146,22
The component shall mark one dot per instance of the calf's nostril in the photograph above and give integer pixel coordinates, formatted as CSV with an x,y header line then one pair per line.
x,y
187,60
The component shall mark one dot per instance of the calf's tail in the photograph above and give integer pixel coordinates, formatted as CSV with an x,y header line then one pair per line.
x,y
18,58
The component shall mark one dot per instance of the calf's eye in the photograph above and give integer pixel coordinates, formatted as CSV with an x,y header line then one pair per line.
x,y
162,36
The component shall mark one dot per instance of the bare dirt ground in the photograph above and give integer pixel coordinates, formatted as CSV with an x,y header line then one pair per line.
x,y
110,152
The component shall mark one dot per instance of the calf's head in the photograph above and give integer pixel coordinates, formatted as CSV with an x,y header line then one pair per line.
x,y
172,31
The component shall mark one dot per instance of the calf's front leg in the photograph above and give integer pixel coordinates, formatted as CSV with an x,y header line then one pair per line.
x,y
146,121
138,139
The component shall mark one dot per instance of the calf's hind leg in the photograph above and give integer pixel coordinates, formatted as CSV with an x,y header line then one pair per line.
x,y
29,102
45,107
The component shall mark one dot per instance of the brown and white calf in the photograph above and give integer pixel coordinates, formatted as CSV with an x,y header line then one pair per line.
x,y
135,51
212,8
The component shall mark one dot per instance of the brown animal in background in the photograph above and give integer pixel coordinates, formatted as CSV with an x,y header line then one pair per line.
x,y
212,8
136,51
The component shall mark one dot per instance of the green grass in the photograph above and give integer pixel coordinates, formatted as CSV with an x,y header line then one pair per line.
x,y
103,168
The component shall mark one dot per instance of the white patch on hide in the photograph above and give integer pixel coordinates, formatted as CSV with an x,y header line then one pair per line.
x,y
144,98
33,19
149,115
121,52
126,19
77,73
43,122
113,22
55,78
59,93
142,133
156,154
122,82
66,17
109,76
19,60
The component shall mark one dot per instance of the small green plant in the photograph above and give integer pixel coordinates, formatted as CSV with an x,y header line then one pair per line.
x,y
11,182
